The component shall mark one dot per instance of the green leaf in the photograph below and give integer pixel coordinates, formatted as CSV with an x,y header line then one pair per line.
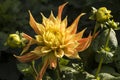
x,y
27,70
63,61
99,43
117,59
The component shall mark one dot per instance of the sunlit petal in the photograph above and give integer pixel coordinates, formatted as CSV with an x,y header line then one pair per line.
x,y
80,34
60,9
45,50
73,28
84,43
42,71
27,57
33,24
63,25
73,54
53,61
59,53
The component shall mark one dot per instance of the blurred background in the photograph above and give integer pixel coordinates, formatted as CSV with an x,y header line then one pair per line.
x,y
14,17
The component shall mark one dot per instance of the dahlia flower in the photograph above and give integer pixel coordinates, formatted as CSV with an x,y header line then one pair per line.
x,y
54,40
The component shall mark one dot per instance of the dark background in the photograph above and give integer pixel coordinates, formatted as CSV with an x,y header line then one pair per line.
x,y
14,17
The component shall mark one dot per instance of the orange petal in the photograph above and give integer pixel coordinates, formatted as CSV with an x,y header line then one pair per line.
x,y
33,24
27,57
31,42
60,9
37,51
53,61
84,43
73,28
42,71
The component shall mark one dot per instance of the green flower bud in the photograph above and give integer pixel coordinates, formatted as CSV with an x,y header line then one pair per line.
x,y
13,41
102,14
112,24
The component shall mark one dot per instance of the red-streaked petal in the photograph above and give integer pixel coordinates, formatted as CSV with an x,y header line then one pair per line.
x,y
73,27
27,57
84,43
60,9
53,61
26,48
33,24
29,38
31,42
37,51
42,71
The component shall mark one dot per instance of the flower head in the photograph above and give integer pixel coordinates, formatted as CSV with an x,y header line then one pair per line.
x,y
54,40
13,40
103,14
100,15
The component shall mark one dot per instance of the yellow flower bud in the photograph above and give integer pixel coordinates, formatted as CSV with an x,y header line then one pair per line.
x,y
13,40
102,14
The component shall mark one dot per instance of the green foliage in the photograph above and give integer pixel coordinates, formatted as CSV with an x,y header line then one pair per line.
x,y
8,14
100,41
117,59
2,40
27,70
13,16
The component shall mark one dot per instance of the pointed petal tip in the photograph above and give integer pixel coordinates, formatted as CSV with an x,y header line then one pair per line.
x,y
80,15
60,9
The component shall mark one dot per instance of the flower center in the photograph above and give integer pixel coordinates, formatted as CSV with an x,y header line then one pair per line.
x,y
52,39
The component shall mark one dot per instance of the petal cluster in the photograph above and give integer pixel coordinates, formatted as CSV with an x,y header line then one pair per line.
x,y
54,40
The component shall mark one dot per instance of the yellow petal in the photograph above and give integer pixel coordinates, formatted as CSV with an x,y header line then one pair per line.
x,y
72,53
80,34
45,50
41,28
60,9
73,27
37,51
59,53
52,18
44,20
33,24
39,38
63,25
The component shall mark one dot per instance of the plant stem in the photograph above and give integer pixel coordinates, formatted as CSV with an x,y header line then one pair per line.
x,y
95,29
33,67
107,40
101,60
58,71
99,67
